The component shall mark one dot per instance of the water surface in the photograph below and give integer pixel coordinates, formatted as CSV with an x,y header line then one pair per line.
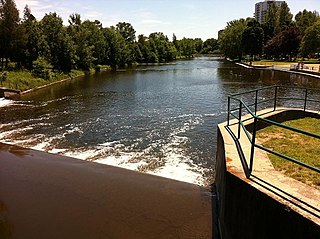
x,y
155,119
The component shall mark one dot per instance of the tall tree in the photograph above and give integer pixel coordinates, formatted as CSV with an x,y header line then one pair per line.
x,y
62,50
198,44
285,17
116,48
187,47
75,20
252,38
285,44
9,29
305,19
127,31
36,44
270,24
230,41
93,35
209,46
311,40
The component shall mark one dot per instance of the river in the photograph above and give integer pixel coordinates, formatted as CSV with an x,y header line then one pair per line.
x,y
155,119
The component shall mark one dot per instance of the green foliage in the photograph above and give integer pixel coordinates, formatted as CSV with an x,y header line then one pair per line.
x,y
277,37
10,32
311,40
285,17
230,40
42,69
305,19
284,45
187,47
210,46
3,76
252,38
32,44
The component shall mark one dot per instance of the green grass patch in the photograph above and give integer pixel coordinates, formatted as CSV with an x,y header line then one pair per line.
x,y
271,63
298,146
25,80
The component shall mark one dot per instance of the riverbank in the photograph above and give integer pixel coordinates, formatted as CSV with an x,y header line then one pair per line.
x,y
282,68
23,82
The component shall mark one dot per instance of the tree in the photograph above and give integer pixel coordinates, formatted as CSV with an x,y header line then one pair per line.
x,y
305,19
284,45
209,46
94,37
252,38
285,17
230,41
36,44
116,48
311,40
127,31
75,20
270,23
161,47
62,52
9,30
198,44
187,47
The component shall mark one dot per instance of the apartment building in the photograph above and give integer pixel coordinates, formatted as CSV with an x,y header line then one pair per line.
x,y
261,9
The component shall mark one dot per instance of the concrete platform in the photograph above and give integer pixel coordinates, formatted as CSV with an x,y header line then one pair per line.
x,y
49,196
268,204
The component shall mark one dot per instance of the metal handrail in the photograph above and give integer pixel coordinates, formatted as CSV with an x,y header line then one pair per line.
x,y
252,137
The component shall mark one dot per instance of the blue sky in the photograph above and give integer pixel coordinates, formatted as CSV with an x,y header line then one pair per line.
x,y
185,18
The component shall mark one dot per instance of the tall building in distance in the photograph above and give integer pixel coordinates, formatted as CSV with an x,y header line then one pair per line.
x,y
261,9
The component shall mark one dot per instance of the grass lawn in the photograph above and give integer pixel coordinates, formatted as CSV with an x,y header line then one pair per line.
x,y
272,63
298,146
24,80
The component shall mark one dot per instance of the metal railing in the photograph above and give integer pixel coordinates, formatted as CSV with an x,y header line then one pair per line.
x,y
277,96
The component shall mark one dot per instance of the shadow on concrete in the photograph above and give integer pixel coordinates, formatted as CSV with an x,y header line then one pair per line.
x,y
279,192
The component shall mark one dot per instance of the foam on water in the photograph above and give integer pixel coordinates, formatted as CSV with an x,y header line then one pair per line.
x,y
4,102
162,157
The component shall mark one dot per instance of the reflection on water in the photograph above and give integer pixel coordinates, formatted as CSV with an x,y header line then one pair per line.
x,y
159,119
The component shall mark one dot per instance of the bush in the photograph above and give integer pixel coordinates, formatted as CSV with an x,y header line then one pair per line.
x,y
3,76
42,68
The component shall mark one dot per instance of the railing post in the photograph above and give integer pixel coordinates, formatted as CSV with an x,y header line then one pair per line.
x,y
275,99
253,142
305,100
228,110
256,103
239,124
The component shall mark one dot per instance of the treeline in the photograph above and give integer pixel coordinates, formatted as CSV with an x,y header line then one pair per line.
x,y
278,37
47,44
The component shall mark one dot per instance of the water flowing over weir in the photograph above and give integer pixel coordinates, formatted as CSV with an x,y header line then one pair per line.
x,y
155,119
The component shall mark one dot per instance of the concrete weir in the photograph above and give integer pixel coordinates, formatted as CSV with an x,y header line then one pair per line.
x,y
49,196
268,204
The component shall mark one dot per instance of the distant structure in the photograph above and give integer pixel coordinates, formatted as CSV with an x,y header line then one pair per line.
x,y
261,9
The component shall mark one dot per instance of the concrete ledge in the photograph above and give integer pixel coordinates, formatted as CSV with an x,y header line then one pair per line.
x,y
49,196
269,204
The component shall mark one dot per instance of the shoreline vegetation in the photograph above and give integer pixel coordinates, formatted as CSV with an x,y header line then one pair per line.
x,y
280,37
39,52
23,81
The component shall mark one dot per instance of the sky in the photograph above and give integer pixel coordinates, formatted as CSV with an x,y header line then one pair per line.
x,y
184,18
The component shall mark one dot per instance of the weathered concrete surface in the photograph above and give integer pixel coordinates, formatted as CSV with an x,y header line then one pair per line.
x,y
50,196
8,93
269,204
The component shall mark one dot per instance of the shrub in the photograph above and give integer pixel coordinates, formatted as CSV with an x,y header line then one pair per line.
x,y
3,76
42,68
